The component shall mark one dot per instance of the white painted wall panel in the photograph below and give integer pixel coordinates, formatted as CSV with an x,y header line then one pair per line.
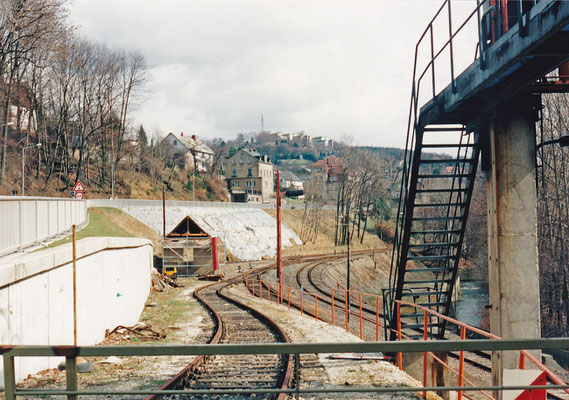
x,y
36,295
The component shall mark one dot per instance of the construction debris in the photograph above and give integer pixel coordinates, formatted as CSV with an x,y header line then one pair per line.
x,y
161,282
141,331
210,277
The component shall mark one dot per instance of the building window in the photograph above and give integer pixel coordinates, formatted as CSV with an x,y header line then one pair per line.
x,y
236,183
248,161
175,142
233,161
249,172
234,172
240,161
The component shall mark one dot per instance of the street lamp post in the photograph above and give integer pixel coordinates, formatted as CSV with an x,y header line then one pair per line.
x,y
24,161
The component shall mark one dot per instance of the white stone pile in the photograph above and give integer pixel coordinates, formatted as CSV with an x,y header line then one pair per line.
x,y
248,233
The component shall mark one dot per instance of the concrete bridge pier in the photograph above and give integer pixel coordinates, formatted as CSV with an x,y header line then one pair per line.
x,y
512,230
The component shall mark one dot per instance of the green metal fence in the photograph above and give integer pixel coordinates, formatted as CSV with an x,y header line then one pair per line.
x,y
70,353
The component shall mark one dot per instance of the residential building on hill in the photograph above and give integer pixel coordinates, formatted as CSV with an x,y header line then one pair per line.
x,y
326,176
249,176
196,153
290,181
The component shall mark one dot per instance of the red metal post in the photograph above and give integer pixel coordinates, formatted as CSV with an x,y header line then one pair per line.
x,y
522,361
377,319
461,363
425,337
332,298
399,355
316,307
361,322
214,255
279,255
347,315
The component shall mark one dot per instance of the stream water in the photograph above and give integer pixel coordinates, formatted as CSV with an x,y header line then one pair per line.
x,y
474,298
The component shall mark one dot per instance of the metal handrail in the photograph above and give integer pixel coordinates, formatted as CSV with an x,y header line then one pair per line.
x,y
71,352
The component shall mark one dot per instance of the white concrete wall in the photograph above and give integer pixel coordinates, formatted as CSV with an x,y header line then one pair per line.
x,y
36,295
25,221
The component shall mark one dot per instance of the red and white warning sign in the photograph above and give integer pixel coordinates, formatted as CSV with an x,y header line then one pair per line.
x,y
78,187
78,191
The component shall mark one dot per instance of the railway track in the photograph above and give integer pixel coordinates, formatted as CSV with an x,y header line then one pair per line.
x,y
310,276
235,323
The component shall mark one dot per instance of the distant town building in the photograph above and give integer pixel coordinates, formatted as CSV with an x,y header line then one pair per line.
x,y
194,150
290,181
326,176
249,176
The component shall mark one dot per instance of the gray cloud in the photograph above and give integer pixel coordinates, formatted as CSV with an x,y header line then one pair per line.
x,y
328,68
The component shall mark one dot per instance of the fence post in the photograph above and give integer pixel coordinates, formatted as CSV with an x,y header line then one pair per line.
x,y
71,375
9,376
425,337
316,307
361,322
461,363
347,311
377,319
399,355
332,299
214,255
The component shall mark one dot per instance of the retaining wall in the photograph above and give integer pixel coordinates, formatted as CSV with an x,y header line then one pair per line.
x,y
36,295
25,221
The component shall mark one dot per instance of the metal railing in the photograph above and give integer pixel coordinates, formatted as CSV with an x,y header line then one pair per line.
x,y
28,221
428,313
71,353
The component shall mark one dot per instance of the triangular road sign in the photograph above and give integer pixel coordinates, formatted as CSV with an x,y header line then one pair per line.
x,y
78,187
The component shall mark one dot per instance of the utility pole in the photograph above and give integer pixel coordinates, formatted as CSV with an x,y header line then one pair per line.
x,y
279,255
348,267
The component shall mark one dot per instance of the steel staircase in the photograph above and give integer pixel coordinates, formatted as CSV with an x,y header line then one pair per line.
x,y
434,201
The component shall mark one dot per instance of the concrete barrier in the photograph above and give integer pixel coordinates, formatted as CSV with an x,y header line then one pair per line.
x,y
36,295
26,221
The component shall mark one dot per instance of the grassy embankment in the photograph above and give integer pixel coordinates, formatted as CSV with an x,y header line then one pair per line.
x,y
108,221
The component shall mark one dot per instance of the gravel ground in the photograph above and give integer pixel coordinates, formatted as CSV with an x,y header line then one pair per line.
x,y
322,371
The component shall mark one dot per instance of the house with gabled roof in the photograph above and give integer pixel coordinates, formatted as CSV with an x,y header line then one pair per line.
x,y
196,153
249,176
326,177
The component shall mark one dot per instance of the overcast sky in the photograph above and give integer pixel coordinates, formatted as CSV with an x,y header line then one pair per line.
x,y
338,69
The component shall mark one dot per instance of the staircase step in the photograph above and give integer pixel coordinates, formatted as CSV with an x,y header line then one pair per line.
x,y
448,161
436,176
429,270
435,231
427,281
453,190
424,293
437,257
434,245
446,145
417,326
432,304
441,205
437,218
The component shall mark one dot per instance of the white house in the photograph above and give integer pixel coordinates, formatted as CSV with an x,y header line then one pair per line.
x,y
190,147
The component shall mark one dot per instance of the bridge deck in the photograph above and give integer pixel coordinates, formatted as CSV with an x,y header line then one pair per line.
x,y
512,63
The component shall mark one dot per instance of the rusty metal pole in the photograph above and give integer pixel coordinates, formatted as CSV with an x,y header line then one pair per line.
x,y
279,255
163,213
74,287
214,255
